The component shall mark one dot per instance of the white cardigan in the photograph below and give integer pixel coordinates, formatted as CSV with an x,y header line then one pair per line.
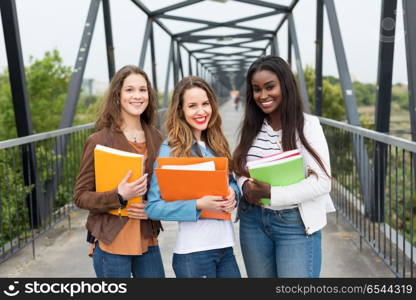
x,y
311,195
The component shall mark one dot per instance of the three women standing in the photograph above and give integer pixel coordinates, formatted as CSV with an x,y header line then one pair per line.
x,y
282,239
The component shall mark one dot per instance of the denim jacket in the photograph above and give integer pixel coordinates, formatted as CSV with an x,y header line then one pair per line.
x,y
180,210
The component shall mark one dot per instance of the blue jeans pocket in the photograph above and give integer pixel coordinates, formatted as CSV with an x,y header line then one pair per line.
x,y
243,207
289,216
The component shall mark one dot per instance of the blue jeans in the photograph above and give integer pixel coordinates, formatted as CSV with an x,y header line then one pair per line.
x,y
216,263
274,244
147,265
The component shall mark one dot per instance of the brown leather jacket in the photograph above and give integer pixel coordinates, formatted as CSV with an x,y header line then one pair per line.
x,y
101,225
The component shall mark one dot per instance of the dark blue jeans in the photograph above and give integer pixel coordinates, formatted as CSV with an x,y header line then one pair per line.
x,y
274,244
147,265
216,263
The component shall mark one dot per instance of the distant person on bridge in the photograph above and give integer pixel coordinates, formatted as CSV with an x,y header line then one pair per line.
x,y
123,246
204,247
282,238
237,102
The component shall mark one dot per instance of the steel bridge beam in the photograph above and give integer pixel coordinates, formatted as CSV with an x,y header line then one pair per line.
x,y
409,9
74,89
146,37
22,113
260,3
211,24
360,151
170,60
299,67
383,103
228,23
173,7
318,56
153,57
109,39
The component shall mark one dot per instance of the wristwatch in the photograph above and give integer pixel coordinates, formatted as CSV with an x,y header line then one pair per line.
x,y
121,200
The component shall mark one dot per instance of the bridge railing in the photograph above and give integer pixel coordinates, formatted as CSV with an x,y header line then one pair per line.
x,y
19,213
387,223
22,218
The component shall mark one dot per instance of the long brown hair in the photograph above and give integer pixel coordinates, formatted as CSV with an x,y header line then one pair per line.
x,y
291,113
180,136
110,111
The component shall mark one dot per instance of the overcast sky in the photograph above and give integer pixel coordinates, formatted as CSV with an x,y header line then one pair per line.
x,y
50,24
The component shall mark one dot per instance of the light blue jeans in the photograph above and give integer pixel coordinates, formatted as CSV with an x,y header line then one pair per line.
x,y
274,244
147,265
216,263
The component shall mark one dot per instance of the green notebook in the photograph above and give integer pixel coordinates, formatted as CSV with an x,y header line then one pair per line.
x,y
279,173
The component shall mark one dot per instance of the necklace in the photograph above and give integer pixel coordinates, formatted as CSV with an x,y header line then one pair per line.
x,y
135,137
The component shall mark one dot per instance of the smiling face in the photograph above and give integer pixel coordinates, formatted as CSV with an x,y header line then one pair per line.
x,y
266,91
197,110
134,95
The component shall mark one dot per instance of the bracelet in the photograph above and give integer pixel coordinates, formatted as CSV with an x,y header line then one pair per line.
x,y
121,200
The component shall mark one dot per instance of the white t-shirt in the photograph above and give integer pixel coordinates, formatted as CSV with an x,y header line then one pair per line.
x,y
204,234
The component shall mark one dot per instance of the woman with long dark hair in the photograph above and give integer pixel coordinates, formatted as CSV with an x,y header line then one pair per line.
x,y
122,246
204,247
283,238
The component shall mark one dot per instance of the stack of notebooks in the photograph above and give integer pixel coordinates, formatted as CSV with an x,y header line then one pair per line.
x,y
192,178
178,178
280,169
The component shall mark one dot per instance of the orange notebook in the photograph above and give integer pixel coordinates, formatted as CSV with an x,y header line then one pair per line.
x,y
111,166
193,184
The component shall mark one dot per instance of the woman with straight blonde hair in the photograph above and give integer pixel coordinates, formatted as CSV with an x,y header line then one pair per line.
x,y
122,246
204,247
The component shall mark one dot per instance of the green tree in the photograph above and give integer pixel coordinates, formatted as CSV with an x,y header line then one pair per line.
x,y
332,101
365,93
7,122
47,83
47,80
87,109
400,95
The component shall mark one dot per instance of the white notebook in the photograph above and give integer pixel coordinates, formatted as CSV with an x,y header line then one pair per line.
x,y
205,166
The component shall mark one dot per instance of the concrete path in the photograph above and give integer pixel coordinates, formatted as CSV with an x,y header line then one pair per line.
x,y
63,253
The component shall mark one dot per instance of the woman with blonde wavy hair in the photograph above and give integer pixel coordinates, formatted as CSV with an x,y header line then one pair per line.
x,y
204,247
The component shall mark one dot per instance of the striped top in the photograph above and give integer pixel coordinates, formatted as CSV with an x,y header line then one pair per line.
x,y
267,142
